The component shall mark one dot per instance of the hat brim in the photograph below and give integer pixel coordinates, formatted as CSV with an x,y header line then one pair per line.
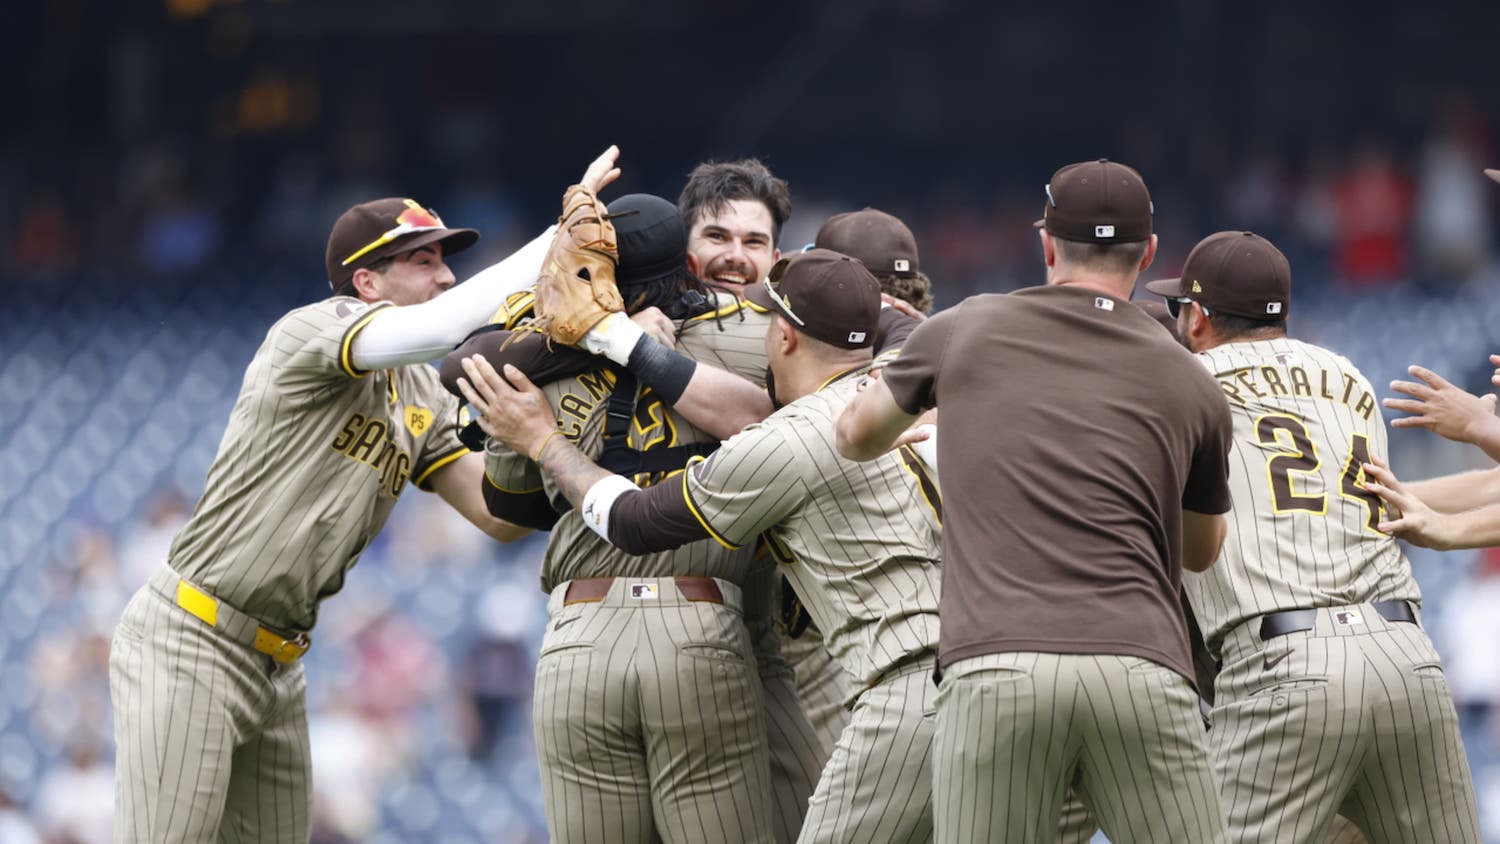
x,y
454,241
1167,288
758,294
1493,174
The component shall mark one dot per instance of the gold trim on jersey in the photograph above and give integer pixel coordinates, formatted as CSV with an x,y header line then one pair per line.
x,y
693,508
849,371
726,310
912,462
517,307
346,344
421,481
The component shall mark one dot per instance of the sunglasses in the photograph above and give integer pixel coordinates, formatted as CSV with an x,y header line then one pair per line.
x,y
414,219
1174,306
772,284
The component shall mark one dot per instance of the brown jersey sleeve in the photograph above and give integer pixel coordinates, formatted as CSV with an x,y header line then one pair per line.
x,y
525,350
1207,488
912,376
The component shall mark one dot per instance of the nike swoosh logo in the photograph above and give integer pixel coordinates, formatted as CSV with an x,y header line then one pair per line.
x,y
1269,663
561,622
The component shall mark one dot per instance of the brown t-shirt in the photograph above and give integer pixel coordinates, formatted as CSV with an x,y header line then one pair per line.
x,y
1073,433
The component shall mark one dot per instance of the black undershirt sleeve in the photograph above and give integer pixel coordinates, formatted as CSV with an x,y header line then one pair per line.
x,y
527,509
527,351
892,329
655,519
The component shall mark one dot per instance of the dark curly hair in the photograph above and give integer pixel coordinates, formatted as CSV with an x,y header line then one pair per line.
x,y
714,184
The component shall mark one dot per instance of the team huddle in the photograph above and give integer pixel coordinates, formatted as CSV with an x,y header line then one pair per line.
x,y
823,567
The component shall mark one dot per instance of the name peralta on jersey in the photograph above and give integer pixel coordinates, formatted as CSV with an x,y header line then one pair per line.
x,y
1302,530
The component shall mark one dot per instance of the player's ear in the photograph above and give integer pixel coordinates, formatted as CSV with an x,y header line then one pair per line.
x,y
786,334
1049,249
1150,255
364,284
694,265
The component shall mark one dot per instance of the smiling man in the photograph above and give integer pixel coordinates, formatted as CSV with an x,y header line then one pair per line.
x,y
337,413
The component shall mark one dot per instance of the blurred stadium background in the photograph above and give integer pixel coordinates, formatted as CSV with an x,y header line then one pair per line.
x,y
170,171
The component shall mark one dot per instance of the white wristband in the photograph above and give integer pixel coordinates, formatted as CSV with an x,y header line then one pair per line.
x,y
927,449
600,498
614,337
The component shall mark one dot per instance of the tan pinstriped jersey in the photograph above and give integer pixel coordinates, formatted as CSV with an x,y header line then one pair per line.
x,y
311,463
732,338
1302,531
859,541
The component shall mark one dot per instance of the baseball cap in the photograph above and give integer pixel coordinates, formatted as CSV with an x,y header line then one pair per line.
x,y
1097,202
879,240
1493,174
651,237
383,227
1237,273
826,295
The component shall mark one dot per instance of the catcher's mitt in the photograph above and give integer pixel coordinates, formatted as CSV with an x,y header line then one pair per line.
x,y
576,288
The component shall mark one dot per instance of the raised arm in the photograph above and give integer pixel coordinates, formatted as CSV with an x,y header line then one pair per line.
x,y
1446,410
398,336
873,423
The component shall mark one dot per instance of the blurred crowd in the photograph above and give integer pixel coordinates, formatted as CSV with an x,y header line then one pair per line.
x,y
420,676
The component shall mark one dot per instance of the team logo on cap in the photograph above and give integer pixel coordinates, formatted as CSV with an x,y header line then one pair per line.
x,y
1197,288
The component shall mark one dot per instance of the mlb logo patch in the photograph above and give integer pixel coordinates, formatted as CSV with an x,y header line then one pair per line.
x,y
1273,308
643,591
856,336
1348,617
1104,304
1104,231
903,265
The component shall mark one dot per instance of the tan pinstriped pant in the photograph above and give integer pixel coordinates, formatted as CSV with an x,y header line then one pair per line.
x,y
1015,730
822,684
797,755
1350,717
210,736
877,786
649,719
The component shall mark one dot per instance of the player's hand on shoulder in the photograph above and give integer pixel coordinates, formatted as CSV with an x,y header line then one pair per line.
x,y
657,326
903,306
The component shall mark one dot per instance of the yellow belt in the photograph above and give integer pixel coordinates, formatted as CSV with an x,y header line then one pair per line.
x,y
206,608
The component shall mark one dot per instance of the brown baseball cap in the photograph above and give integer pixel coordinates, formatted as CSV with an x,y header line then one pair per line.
x,y
826,295
879,240
1238,273
1097,202
383,227
1493,174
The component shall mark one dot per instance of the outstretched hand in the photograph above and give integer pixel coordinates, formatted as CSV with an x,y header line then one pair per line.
x,y
1410,518
602,170
1440,407
511,409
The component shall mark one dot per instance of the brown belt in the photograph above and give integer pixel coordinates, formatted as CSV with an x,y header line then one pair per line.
x,y
590,589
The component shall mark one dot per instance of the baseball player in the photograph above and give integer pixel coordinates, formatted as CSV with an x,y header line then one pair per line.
x,y
1331,698
859,541
336,416
649,707
1064,652
734,212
